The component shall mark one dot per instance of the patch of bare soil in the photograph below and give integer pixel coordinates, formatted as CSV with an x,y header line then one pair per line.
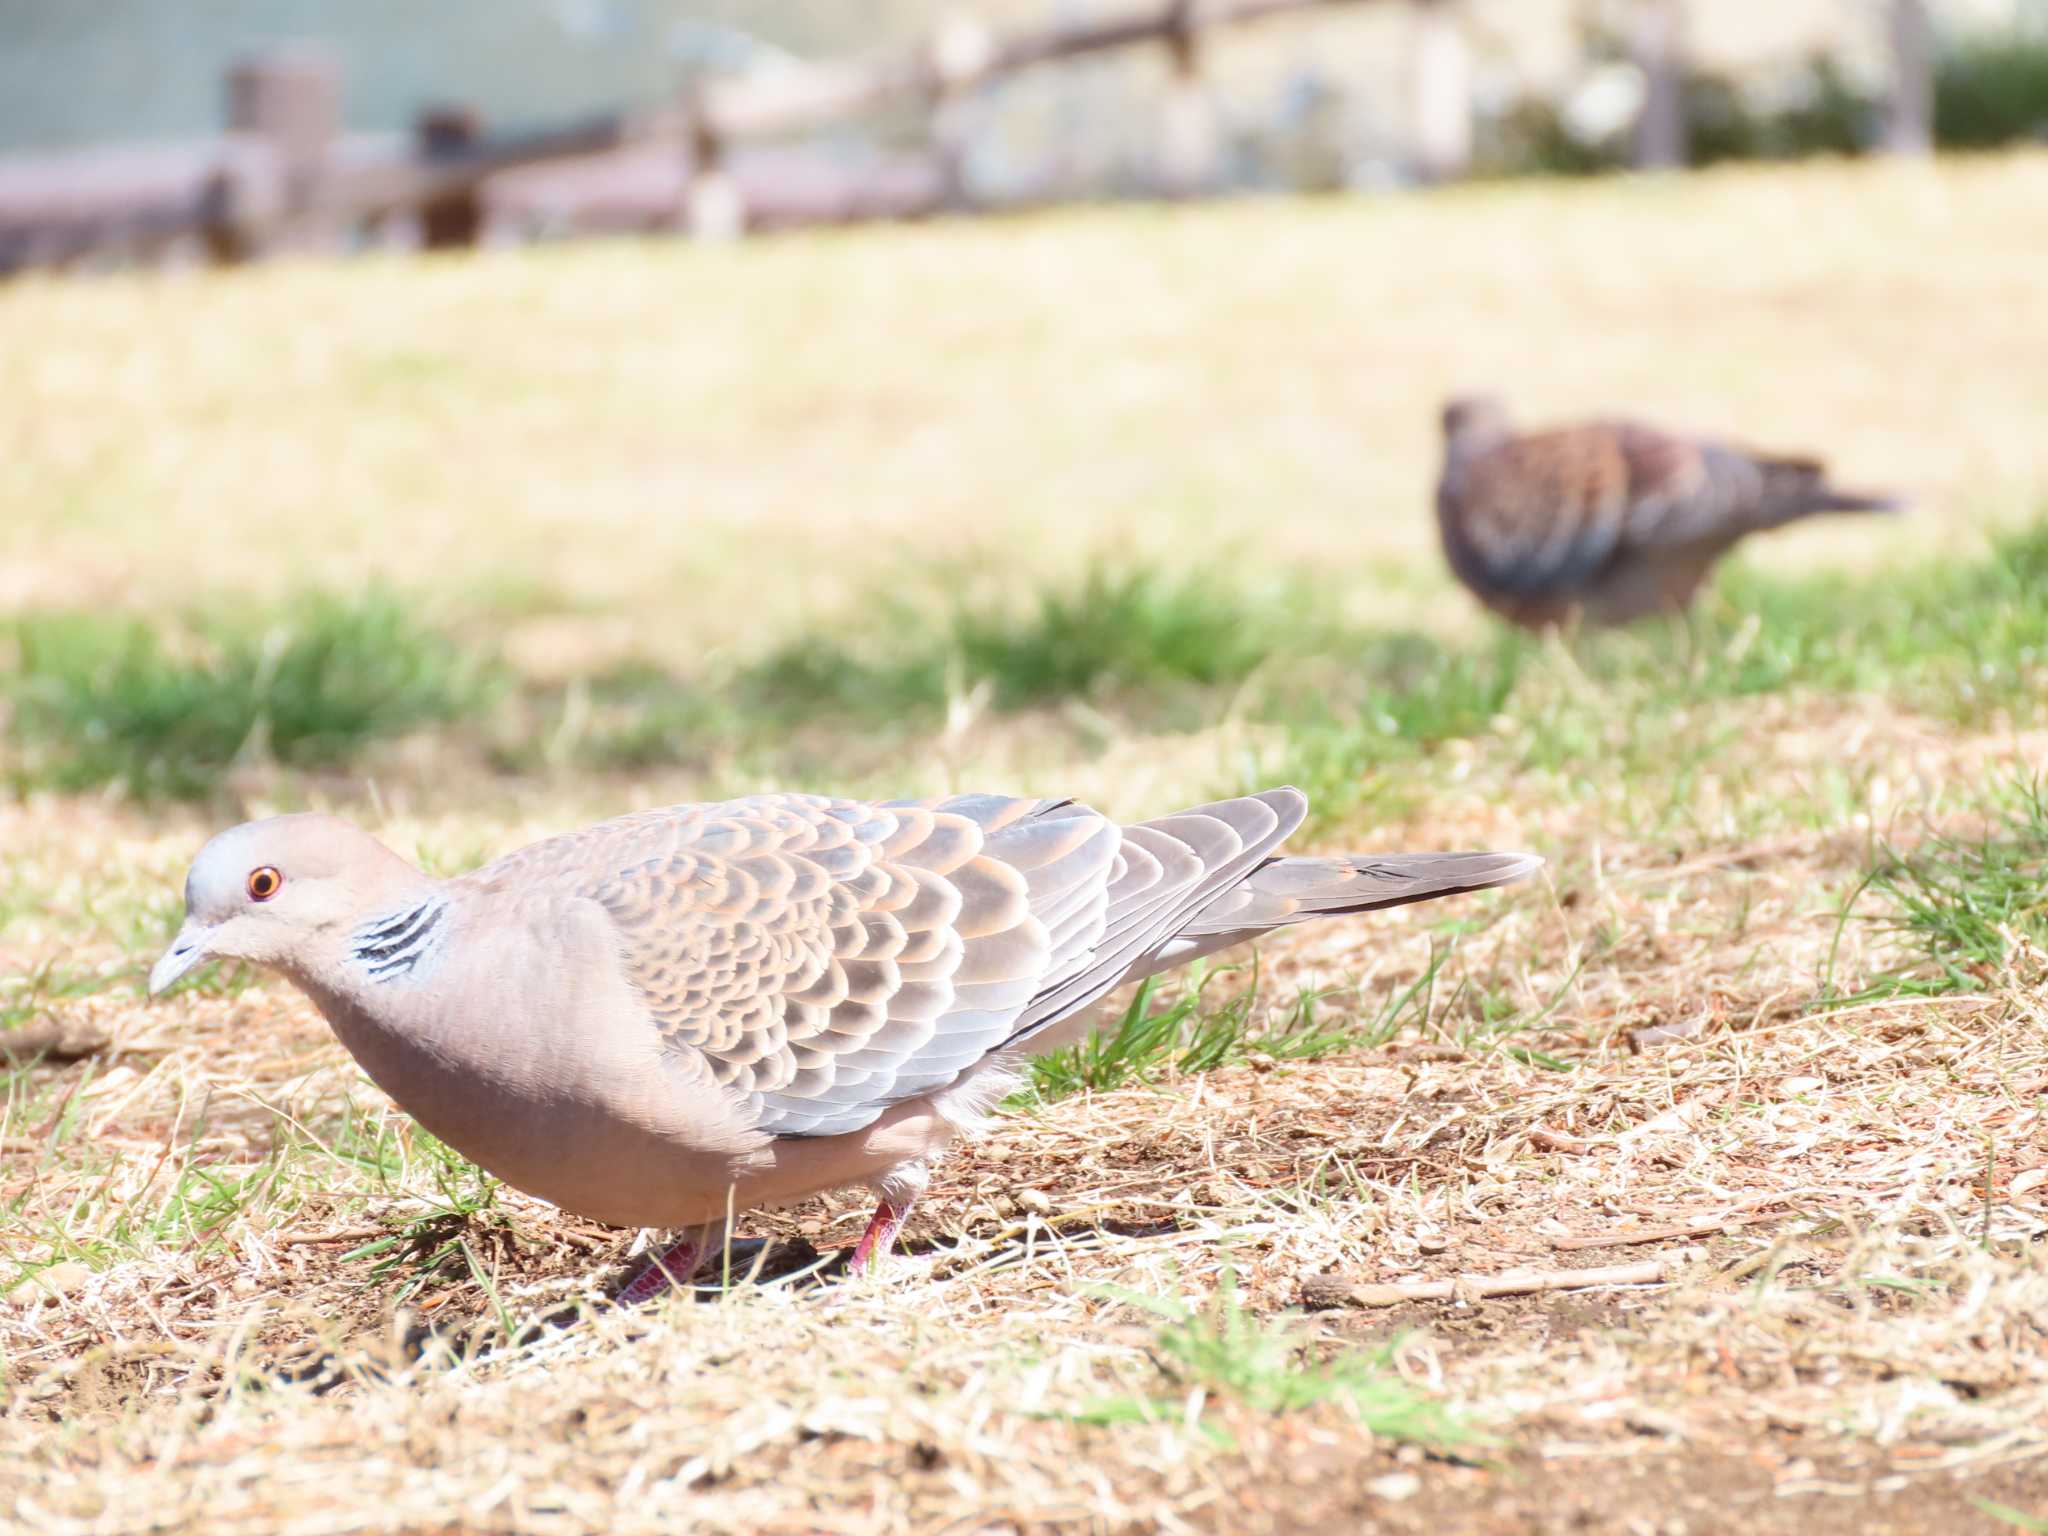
x,y
1770,1485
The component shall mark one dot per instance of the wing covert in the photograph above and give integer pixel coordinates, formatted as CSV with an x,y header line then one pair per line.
x,y
829,958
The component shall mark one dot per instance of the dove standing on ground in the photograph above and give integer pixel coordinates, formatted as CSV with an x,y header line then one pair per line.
x,y
708,1008
1611,520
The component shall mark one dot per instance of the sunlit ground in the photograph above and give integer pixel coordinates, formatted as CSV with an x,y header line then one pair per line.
x,y
1132,505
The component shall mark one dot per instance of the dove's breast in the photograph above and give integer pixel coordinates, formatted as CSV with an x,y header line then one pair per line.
x,y
521,1043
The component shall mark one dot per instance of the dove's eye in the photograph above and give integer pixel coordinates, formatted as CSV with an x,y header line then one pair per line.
x,y
264,883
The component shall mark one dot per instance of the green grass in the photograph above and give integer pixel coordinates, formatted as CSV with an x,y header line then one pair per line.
x,y
25,996
1955,640
1351,709
1189,1035
1347,709
197,1198
2018,1519
1348,720
1991,87
1153,645
441,1243
1131,630
1958,906
114,701
1965,643
52,984
190,1199
1222,1350
1125,632
632,716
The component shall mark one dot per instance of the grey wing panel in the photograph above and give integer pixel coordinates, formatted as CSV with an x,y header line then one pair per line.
x,y
1684,493
829,959
1068,856
1103,897
1202,852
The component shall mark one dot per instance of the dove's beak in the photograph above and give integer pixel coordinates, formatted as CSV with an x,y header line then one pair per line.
x,y
186,951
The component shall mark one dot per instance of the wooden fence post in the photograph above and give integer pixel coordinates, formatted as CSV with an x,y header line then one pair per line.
x,y
1442,92
291,103
712,206
1909,114
958,54
455,218
1190,134
223,229
1658,45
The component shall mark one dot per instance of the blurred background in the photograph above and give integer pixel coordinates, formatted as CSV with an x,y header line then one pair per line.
x,y
717,393
912,105
482,417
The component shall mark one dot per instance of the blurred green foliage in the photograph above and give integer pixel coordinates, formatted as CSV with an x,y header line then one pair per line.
x,y
1823,114
1329,703
1115,631
1991,88
1961,642
1148,643
98,700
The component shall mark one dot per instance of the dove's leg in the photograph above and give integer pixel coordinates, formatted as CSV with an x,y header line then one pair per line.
x,y
677,1265
880,1237
898,1191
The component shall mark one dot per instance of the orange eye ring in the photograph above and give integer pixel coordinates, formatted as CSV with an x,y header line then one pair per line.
x,y
264,883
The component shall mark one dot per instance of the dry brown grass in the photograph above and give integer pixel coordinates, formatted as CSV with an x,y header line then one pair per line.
x,y
1849,1206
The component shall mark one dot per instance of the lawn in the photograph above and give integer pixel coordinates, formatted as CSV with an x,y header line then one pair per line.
x,y
1129,504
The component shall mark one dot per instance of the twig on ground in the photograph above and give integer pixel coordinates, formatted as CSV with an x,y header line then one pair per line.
x,y
55,1039
1334,1290
353,1235
1702,1228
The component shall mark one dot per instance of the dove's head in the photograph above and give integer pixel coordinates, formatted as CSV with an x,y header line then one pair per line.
x,y
1474,423
279,892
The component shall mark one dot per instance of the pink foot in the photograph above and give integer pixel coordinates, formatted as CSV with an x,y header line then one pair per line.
x,y
676,1267
880,1237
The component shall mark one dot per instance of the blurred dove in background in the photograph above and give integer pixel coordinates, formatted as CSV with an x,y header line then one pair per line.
x,y
1609,520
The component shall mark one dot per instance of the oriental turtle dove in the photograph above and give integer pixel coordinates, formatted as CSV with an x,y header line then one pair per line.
x,y
1609,520
706,1008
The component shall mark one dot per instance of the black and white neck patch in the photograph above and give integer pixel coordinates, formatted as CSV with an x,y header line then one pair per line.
x,y
397,943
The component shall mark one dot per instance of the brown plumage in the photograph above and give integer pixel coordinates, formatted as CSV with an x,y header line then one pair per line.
x,y
1608,520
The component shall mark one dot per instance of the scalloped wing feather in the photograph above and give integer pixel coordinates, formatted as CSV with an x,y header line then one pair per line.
x,y
826,959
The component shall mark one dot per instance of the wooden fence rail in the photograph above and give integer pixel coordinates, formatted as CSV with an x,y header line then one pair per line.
x,y
283,176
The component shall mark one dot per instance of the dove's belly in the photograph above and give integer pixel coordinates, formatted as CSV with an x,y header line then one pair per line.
x,y
566,1090
673,1157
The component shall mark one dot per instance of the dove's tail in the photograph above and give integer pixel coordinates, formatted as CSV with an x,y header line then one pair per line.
x,y
1294,889
1851,501
1796,488
1204,879
1287,890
